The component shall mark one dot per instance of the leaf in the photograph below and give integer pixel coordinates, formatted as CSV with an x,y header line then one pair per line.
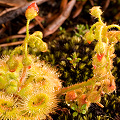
x,y
74,106
83,111
83,107
75,114
74,55
78,59
69,58
77,34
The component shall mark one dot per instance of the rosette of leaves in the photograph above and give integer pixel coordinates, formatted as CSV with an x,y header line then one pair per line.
x,y
35,98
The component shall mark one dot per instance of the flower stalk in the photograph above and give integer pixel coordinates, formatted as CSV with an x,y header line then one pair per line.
x,y
102,82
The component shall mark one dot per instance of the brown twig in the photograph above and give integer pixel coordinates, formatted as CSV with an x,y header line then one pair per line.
x,y
31,25
2,30
11,37
79,7
16,11
11,44
63,4
106,5
92,3
56,15
39,20
12,3
59,21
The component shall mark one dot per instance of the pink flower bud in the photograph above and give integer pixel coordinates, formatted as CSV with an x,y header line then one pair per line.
x,y
32,11
109,86
70,96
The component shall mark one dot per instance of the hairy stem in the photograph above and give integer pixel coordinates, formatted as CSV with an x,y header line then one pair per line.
x,y
27,37
23,75
100,34
113,26
94,25
78,86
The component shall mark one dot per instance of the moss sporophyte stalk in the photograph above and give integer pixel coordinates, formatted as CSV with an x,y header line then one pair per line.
x,y
30,88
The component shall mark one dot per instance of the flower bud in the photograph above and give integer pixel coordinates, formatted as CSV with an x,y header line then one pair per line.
x,y
38,34
70,96
27,61
32,11
96,11
43,47
109,86
96,62
100,56
94,97
100,49
89,37
35,40
12,64
83,100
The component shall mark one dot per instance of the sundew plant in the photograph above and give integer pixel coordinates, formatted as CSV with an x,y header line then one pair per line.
x,y
30,88
79,96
